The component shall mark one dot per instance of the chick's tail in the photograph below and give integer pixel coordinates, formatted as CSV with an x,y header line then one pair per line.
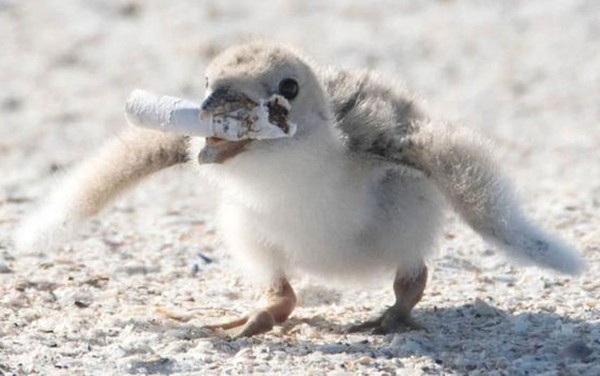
x,y
84,191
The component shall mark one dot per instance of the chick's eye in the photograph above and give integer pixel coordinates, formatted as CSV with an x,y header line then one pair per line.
x,y
288,88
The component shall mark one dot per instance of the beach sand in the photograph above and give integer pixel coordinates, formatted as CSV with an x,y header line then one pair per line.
x,y
526,75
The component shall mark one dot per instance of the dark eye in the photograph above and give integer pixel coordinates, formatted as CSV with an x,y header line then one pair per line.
x,y
288,88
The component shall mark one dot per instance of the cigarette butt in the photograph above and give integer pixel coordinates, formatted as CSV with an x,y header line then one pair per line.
x,y
167,114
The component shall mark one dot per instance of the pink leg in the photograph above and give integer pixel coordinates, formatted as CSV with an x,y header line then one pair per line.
x,y
280,302
408,291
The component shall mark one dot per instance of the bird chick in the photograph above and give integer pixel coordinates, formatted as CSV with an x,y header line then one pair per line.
x,y
359,190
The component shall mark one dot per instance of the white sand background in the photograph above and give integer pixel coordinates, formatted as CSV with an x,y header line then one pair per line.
x,y
525,74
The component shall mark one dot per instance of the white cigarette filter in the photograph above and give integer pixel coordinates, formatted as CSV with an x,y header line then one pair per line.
x,y
176,115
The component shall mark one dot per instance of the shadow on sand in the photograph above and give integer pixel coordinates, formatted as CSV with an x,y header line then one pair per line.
x,y
468,339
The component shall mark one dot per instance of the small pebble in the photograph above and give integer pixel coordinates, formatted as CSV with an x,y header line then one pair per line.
x,y
244,353
365,360
11,104
483,309
398,363
82,304
4,268
577,350
521,325
334,348
262,369
130,9
205,258
160,365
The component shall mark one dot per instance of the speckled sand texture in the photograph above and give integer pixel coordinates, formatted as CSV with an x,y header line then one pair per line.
x,y
525,74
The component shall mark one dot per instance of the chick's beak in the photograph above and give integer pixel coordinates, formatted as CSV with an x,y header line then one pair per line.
x,y
223,100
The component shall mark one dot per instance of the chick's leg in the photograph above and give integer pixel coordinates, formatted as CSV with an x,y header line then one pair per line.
x,y
408,291
279,301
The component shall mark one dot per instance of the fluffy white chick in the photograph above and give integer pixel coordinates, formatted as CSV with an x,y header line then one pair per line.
x,y
358,191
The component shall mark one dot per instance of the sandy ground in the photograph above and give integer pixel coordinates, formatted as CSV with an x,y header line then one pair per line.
x,y
525,74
